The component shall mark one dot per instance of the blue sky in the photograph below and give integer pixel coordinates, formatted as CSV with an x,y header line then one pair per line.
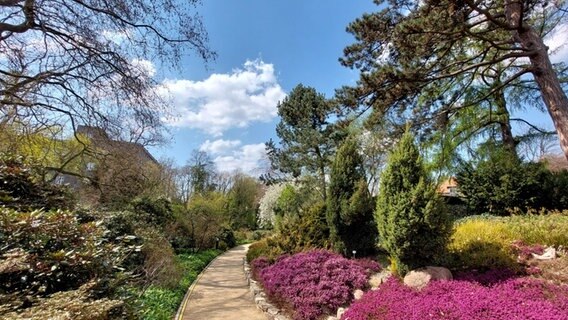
x,y
265,48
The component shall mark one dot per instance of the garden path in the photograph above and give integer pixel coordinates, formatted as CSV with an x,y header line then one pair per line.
x,y
221,291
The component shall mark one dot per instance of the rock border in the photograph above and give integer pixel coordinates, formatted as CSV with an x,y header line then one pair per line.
x,y
271,311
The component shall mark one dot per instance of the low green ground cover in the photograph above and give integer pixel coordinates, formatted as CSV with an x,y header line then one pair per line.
x,y
161,303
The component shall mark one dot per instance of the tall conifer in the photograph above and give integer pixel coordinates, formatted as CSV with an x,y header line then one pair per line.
x,y
412,222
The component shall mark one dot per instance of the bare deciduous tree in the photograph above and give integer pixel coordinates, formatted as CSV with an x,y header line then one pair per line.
x,y
88,61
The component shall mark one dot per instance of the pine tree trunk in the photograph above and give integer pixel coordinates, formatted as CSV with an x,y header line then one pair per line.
x,y
554,97
505,123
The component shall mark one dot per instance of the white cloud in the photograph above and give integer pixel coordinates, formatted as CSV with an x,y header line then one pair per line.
x,y
246,159
116,36
557,43
225,101
145,67
219,146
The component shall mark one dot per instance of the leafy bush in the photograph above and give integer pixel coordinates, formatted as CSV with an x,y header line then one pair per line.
x,y
50,261
23,187
512,298
158,266
52,251
204,219
156,212
501,181
267,248
227,237
311,284
260,234
67,305
412,222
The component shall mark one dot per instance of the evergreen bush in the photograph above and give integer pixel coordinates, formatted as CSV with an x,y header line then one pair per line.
x,y
349,204
412,221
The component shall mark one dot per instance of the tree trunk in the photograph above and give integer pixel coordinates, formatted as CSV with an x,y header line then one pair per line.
x,y
554,97
503,117
321,164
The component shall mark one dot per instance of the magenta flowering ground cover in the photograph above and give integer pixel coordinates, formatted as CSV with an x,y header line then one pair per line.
x,y
313,283
501,298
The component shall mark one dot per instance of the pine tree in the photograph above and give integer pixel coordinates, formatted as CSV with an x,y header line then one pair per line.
x,y
350,206
412,222
306,136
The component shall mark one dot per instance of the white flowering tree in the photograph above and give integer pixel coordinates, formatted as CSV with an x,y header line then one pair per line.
x,y
266,216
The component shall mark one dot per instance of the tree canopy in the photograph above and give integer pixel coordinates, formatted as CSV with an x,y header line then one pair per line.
x,y
429,60
306,135
89,62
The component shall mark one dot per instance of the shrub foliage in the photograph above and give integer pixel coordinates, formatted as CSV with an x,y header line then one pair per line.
x,y
501,181
412,222
349,205
23,187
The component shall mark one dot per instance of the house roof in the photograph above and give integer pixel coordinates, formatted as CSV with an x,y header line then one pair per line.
x,y
100,137
447,187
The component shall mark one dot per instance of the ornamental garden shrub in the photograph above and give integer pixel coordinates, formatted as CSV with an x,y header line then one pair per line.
x,y
412,221
486,242
24,188
307,230
44,255
495,296
480,243
301,230
312,284
499,181
349,203
267,248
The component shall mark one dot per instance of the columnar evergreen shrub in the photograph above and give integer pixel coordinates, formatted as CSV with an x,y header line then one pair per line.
x,y
412,222
349,203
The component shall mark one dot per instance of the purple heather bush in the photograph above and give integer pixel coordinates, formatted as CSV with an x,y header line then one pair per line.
x,y
501,298
313,283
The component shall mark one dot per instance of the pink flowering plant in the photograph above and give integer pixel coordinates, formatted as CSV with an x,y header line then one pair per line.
x,y
497,295
525,251
313,283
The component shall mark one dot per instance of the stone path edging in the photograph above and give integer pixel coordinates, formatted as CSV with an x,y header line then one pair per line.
x,y
271,311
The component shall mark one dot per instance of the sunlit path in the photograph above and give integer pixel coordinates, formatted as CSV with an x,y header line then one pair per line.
x,y
222,292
